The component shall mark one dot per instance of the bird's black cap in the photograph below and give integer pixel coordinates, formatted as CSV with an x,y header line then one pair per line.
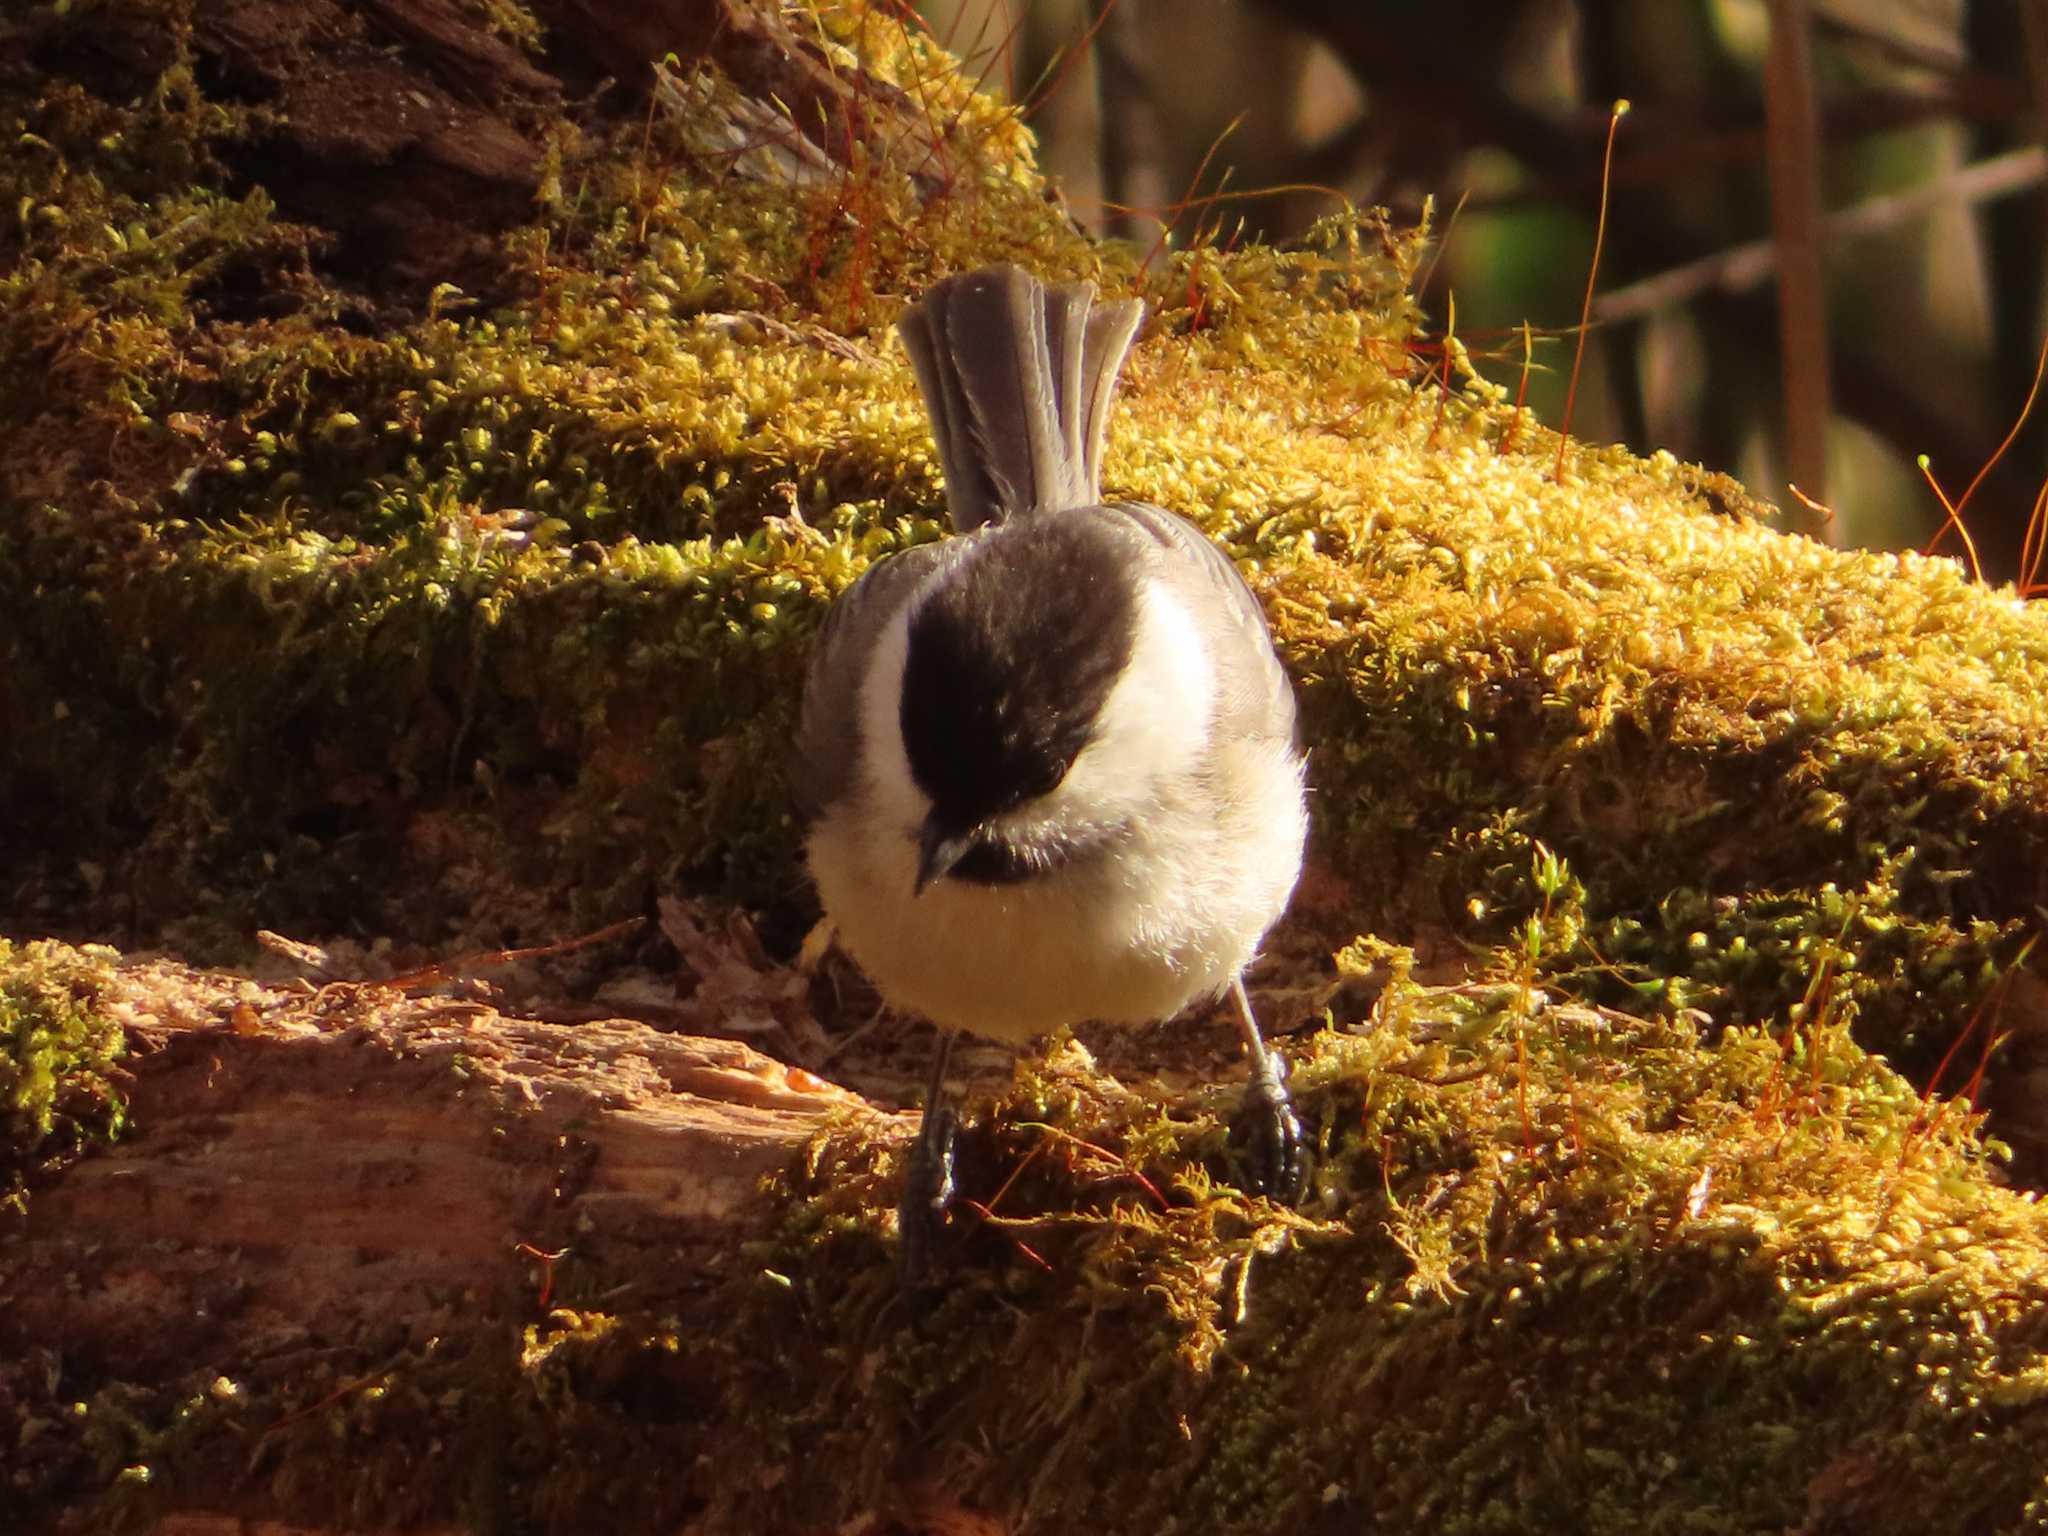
x,y
1009,665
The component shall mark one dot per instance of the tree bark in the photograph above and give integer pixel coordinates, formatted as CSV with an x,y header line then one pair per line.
x,y
289,1141
330,1178
411,134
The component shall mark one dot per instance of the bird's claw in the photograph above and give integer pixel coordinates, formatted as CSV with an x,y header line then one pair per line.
x,y
927,1194
1275,1149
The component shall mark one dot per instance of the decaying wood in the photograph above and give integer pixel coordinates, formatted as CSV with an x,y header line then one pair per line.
x,y
411,134
331,1165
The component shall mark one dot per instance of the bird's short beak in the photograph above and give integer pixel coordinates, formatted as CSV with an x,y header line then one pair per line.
x,y
938,851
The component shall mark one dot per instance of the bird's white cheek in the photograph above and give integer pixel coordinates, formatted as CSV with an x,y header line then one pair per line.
x,y
1154,726
892,794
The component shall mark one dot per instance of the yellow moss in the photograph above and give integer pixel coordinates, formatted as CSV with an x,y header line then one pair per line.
x,y
1563,1266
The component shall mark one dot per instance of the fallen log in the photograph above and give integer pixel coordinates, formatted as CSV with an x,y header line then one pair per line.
x,y
411,1264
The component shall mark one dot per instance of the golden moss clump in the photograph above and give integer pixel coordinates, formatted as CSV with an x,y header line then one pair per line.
x,y
288,602
1565,1267
1561,1265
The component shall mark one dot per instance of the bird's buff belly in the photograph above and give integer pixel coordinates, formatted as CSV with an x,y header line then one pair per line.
x,y
1014,961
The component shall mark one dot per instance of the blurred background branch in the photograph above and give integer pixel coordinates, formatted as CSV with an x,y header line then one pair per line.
x,y
1792,128
1892,306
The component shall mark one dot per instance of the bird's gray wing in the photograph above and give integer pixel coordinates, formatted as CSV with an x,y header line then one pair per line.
x,y
826,760
1255,697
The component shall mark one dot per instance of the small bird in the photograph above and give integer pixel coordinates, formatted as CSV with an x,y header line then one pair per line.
x,y
1051,761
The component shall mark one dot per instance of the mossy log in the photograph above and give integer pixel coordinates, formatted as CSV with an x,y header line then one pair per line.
x,y
339,1170
391,1263
415,532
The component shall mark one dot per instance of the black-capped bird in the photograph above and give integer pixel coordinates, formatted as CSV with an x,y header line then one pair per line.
x,y
1051,761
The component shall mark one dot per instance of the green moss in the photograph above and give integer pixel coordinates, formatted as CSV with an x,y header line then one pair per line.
x,y
1562,1265
58,1088
487,1425
535,583
1566,1266
517,556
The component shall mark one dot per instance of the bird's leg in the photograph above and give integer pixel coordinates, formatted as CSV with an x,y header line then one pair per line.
x,y
1278,1150
928,1179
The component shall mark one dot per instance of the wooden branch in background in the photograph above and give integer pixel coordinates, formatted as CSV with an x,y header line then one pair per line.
x,y
1133,174
2034,32
1740,268
1793,138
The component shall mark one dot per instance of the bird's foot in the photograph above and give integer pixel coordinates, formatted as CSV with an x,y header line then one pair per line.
x,y
927,1194
1275,1151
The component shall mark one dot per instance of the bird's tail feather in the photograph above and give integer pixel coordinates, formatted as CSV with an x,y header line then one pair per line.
x,y
1018,378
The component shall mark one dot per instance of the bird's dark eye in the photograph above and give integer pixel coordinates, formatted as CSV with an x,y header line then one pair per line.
x,y
1045,777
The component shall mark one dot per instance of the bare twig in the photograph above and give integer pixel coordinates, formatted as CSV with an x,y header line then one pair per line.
x,y
1931,46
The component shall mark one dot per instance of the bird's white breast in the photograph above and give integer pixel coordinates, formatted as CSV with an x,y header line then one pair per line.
x,y
1205,851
